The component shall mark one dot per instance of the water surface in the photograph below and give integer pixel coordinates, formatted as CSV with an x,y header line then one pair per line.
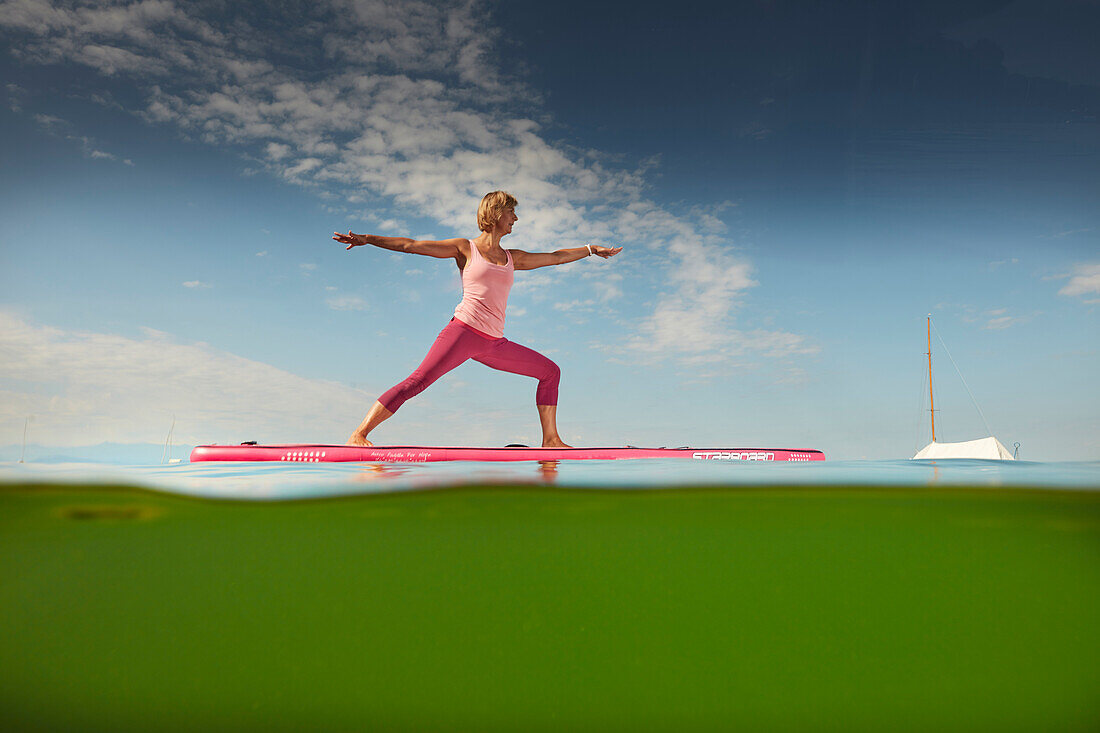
x,y
275,481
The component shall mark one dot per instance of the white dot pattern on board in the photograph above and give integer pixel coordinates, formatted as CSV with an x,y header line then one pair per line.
x,y
306,456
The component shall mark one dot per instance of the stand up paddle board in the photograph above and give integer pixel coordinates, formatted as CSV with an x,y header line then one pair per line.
x,y
422,454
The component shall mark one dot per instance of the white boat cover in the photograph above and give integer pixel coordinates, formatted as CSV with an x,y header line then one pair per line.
x,y
988,448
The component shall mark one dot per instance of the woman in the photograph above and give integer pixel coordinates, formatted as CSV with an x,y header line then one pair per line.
x,y
477,329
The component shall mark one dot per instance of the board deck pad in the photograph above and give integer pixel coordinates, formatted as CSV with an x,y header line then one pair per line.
x,y
423,454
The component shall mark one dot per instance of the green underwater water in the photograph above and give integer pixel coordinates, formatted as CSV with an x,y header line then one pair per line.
x,y
532,608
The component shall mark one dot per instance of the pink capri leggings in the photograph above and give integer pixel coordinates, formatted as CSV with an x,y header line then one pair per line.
x,y
458,342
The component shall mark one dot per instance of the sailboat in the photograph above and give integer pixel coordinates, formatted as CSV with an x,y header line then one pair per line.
x,y
988,448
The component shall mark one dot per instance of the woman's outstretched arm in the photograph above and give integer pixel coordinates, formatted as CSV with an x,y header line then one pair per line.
x,y
444,249
530,260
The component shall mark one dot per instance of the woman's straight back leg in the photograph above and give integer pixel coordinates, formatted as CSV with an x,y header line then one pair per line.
x,y
453,346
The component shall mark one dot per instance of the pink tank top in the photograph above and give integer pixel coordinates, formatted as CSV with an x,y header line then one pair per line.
x,y
485,289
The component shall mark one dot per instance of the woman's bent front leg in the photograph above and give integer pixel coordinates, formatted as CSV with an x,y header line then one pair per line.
x,y
548,416
511,357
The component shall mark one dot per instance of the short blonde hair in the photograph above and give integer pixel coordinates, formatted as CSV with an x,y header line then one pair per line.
x,y
492,207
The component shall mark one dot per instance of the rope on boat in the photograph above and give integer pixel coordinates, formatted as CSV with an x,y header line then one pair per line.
x,y
959,372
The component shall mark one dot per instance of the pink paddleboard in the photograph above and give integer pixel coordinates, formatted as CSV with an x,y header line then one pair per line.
x,y
421,454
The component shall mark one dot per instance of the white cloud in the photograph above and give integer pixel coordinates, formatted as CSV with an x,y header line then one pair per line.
x,y
59,127
696,331
575,306
999,319
1085,280
15,93
1067,233
606,281
301,167
415,121
346,303
277,151
1000,322
50,121
197,285
87,387
111,60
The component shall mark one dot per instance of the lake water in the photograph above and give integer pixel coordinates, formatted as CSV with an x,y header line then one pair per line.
x,y
279,481
891,595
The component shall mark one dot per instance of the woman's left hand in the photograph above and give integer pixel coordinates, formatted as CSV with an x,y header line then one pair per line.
x,y
605,252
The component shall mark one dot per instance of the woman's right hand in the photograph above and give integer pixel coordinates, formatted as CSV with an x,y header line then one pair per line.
x,y
350,239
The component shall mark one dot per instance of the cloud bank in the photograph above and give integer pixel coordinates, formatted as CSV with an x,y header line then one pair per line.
x,y
85,388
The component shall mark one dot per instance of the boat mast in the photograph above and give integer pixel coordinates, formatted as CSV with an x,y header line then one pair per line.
x,y
931,404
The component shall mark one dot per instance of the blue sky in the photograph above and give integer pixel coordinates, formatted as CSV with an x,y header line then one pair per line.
x,y
795,188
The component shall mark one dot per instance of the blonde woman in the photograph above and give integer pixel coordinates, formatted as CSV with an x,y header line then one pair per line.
x,y
477,329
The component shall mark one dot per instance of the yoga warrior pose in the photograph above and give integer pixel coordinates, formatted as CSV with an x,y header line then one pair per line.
x,y
477,329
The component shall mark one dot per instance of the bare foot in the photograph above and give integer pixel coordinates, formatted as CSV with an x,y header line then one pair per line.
x,y
357,439
555,443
